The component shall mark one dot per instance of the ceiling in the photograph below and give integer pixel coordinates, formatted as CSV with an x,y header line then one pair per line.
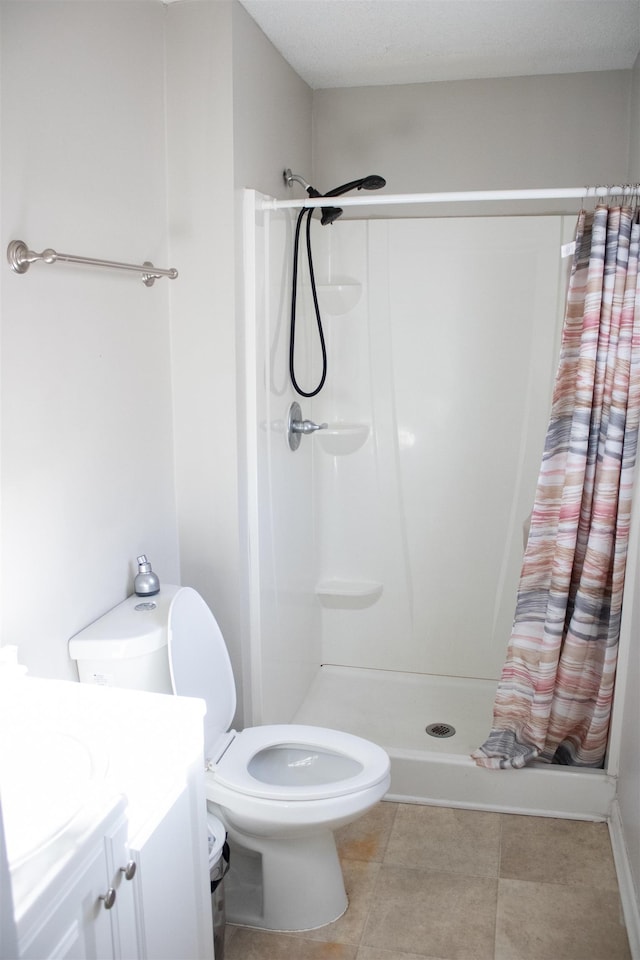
x,y
352,43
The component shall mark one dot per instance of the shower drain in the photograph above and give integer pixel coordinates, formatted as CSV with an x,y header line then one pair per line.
x,y
440,730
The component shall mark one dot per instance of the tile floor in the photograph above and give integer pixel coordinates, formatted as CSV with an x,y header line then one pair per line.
x,y
462,885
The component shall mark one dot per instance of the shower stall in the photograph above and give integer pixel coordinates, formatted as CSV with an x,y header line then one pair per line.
x,y
384,553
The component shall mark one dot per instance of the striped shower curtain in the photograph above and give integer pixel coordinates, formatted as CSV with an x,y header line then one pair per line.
x,y
555,694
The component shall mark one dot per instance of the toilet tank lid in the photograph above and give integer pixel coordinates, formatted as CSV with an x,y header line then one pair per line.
x,y
133,628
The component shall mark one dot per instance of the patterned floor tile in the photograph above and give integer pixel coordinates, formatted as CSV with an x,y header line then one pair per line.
x,y
555,921
549,850
445,840
433,914
248,944
447,884
367,838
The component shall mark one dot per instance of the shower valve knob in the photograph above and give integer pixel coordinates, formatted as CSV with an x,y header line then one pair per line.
x,y
307,426
297,427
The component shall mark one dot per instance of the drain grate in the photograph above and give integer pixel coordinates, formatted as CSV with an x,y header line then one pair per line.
x,y
440,730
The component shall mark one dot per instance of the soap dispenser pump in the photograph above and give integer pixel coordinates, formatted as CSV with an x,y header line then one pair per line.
x,y
146,583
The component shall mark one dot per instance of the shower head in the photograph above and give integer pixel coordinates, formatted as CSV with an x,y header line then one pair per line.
x,y
372,182
329,214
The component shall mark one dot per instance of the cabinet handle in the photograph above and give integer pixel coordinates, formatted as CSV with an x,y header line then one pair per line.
x,y
130,870
109,898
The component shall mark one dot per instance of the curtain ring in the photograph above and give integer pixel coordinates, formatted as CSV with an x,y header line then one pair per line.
x,y
616,195
626,194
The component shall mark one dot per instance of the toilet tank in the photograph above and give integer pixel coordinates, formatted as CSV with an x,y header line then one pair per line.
x,y
127,647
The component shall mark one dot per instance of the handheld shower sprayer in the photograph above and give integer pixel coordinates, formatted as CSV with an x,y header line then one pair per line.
x,y
328,215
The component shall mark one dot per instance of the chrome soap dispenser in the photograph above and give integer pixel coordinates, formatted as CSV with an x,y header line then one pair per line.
x,y
146,583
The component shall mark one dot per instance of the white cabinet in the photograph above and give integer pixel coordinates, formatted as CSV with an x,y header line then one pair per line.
x,y
84,909
168,830
167,912
121,873
138,796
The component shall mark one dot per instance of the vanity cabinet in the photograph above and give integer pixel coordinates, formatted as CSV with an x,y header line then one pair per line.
x,y
107,848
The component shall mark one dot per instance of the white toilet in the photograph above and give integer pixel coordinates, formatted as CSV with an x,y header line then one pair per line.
x,y
280,790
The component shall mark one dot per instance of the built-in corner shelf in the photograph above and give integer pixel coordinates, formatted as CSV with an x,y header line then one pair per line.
x,y
348,594
340,296
342,437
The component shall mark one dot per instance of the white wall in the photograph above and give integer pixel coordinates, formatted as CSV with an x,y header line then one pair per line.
x,y
634,123
628,789
113,148
271,112
226,128
629,775
565,130
200,171
87,454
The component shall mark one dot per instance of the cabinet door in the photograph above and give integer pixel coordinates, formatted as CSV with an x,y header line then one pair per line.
x,y
77,925
90,913
167,887
122,879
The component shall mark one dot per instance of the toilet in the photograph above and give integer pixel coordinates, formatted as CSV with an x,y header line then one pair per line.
x,y
279,789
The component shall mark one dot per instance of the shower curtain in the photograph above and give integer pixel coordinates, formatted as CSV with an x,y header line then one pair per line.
x,y
555,693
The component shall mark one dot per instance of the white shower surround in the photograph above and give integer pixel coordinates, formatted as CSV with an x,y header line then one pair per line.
x,y
356,620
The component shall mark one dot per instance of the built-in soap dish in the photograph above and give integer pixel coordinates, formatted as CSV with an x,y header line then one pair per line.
x,y
339,296
342,437
348,594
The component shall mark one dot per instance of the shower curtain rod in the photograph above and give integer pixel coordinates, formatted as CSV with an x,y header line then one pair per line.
x,y
551,193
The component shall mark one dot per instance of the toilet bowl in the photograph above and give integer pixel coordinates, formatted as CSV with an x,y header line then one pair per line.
x,y
281,803
280,789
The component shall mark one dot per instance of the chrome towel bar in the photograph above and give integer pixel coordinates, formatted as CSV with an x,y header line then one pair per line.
x,y
20,259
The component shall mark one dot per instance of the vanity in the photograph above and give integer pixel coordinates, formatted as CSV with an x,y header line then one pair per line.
x,y
105,850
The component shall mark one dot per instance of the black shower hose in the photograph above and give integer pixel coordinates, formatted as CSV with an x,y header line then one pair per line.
x,y
294,286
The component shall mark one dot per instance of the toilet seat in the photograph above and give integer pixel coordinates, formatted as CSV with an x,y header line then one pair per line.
x,y
369,764
200,667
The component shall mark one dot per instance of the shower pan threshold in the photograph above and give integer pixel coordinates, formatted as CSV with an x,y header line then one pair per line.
x,y
394,709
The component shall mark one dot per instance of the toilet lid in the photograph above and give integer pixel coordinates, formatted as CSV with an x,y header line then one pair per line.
x,y
199,663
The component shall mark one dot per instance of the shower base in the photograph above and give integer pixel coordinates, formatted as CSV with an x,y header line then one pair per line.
x,y
393,709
